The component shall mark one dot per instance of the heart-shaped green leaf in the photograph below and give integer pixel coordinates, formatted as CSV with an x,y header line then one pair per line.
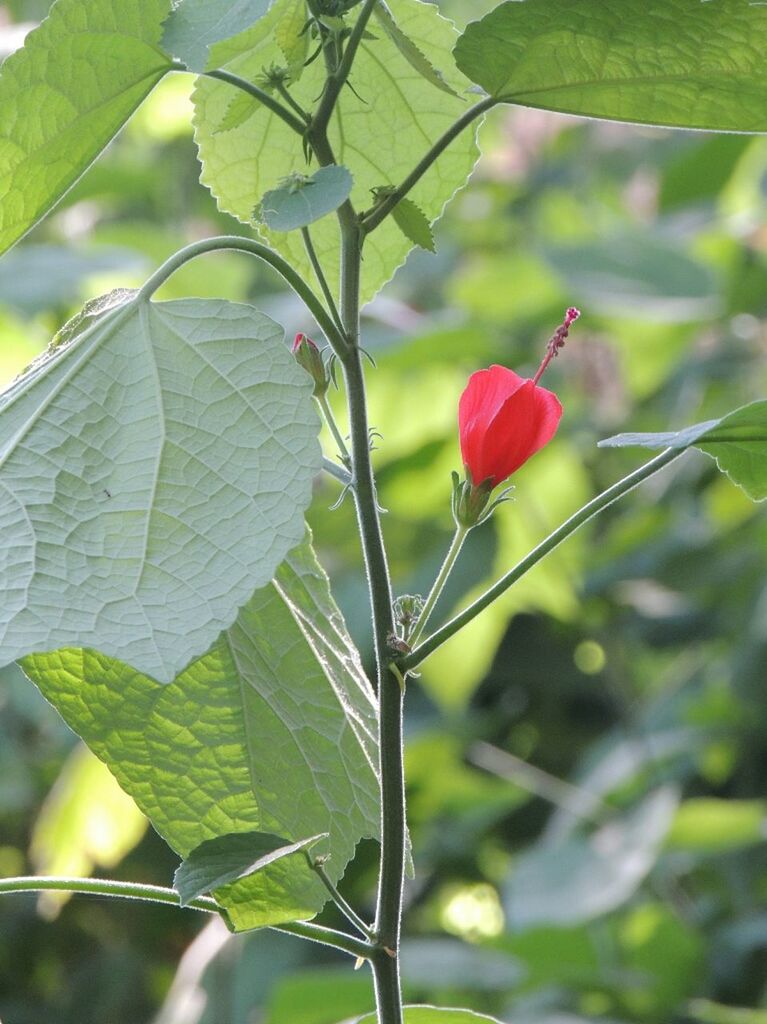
x,y
154,470
679,63
65,94
273,730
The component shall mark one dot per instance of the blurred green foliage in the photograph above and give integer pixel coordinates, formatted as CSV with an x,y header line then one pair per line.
x,y
623,678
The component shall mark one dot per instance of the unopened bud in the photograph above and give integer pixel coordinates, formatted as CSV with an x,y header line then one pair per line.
x,y
310,358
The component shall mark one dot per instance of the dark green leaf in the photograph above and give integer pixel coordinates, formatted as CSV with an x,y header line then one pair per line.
x,y
678,63
193,26
65,94
302,200
414,224
415,57
737,441
217,862
273,730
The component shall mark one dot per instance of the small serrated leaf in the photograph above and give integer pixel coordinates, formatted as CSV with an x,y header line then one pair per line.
x,y
241,107
302,200
292,39
415,57
413,223
230,858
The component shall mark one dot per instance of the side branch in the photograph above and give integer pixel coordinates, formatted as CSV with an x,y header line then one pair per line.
x,y
263,252
159,894
253,90
554,539
384,208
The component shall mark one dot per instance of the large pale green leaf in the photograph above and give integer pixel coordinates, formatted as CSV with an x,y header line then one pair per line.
x,y
193,26
737,441
272,730
680,63
384,125
436,1015
154,470
65,93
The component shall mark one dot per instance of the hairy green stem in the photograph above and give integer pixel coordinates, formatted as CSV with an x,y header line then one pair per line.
x,y
382,210
263,252
439,584
330,419
343,905
319,273
390,694
253,90
160,894
338,76
554,539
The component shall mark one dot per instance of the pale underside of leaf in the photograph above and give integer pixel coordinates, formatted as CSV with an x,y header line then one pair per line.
x,y
738,443
154,470
65,94
193,26
381,129
273,730
677,63
297,204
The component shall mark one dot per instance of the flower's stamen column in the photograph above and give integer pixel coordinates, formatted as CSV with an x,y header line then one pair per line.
x,y
557,340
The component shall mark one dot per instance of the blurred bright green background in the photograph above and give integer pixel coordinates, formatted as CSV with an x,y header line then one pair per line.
x,y
586,762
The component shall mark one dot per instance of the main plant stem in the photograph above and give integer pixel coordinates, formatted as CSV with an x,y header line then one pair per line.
x,y
390,695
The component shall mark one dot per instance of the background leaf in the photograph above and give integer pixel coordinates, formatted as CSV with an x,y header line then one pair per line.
x,y
737,441
603,870
296,204
225,859
379,134
65,94
193,26
184,441
272,730
87,821
678,63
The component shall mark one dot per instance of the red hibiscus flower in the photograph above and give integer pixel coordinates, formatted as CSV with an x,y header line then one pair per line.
x,y
503,418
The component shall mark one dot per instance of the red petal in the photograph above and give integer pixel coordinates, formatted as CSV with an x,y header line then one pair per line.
x,y
526,422
481,401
